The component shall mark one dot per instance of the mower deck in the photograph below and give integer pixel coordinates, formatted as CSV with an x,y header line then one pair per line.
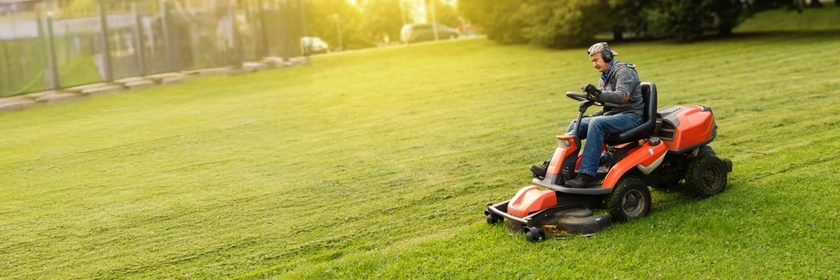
x,y
567,218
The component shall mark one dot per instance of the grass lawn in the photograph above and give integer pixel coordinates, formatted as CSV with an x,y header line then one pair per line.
x,y
380,163
825,18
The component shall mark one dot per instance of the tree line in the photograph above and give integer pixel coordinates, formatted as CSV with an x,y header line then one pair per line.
x,y
576,22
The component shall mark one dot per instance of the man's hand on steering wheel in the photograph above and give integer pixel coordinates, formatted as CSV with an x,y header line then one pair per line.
x,y
592,93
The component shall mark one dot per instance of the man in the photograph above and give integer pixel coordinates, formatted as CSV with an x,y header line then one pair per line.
x,y
621,93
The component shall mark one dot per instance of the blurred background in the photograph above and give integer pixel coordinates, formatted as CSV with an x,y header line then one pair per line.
x,y
56,44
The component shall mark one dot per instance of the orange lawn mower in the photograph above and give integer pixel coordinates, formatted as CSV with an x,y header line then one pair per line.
x,y
669,147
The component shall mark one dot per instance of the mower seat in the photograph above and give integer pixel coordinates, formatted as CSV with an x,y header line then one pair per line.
x,y
647,128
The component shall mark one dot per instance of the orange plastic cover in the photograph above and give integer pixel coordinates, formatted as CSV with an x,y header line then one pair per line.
x,y
643,157
531,199
695,126
565,148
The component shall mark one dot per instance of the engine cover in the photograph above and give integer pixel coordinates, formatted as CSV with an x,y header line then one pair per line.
x,y
686,127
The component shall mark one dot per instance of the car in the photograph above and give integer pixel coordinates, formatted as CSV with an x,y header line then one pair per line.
x,y
419,32
314,45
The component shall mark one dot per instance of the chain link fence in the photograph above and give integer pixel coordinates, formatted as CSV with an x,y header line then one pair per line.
x,y
51,44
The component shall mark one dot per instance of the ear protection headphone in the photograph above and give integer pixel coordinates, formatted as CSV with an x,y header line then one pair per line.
x,y
606,53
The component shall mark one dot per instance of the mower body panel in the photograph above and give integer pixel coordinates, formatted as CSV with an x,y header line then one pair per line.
x,y
566,148
686,127
646,157
531,199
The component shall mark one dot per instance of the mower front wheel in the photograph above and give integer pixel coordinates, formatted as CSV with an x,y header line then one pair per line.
x,y
534,234
493,218
629,199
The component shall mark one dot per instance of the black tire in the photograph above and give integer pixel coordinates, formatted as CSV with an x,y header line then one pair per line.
x,y
629,200
493,218
534,234
706,175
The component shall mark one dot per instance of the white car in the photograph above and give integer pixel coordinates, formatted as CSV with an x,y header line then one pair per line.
x,y
314,45
413,33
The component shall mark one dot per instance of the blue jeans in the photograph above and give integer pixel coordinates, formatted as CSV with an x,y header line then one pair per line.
x,y
593,130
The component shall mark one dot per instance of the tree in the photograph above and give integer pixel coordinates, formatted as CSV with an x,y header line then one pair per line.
x,y
683,20
728,14
628,16
573,22
563,23
326,18
382,18
444,14
816,4
498,19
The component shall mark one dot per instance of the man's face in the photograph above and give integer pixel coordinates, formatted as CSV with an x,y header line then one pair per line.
x,y
599,63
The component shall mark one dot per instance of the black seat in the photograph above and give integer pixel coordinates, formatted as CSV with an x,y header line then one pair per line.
x,y
647,128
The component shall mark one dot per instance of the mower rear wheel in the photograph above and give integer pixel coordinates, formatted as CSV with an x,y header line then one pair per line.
x,y
534,234
706,175
630,199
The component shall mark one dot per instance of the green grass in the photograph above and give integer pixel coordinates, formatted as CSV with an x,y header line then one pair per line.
x,y
825,18
379,164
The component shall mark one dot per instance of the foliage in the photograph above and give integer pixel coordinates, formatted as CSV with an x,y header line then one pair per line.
x,y
445,14
500,20
381,18
563,23
680,19
329,18
628,16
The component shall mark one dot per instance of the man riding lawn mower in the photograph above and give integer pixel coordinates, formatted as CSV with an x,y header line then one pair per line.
x,y
670,145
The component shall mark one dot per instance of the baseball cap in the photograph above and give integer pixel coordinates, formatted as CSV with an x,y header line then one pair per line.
x,y
599,48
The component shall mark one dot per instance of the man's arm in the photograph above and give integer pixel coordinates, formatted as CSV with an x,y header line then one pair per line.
x,y
626,80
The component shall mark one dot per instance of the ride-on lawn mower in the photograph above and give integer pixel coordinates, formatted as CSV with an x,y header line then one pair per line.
x,y
670,146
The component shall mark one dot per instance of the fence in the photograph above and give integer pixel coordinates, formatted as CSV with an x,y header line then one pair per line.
x,y
53,45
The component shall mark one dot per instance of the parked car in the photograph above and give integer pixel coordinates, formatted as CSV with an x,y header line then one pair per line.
x,y
313,45
419,32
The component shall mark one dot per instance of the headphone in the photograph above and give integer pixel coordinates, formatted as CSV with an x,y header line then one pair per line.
x,y
607,53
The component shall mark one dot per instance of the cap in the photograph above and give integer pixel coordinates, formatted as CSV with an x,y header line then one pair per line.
x,y
600,48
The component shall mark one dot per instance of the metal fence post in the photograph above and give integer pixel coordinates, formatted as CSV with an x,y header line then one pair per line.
x,y
302,8
263,30
55,82
238,52
167,48
138,35
106,45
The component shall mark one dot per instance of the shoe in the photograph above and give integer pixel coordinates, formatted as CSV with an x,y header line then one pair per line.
x,y
582,181
539,172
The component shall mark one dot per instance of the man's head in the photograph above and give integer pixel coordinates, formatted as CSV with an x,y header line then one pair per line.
x,y
601,55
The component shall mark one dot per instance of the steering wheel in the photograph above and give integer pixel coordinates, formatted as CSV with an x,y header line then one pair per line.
x,y
584,98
